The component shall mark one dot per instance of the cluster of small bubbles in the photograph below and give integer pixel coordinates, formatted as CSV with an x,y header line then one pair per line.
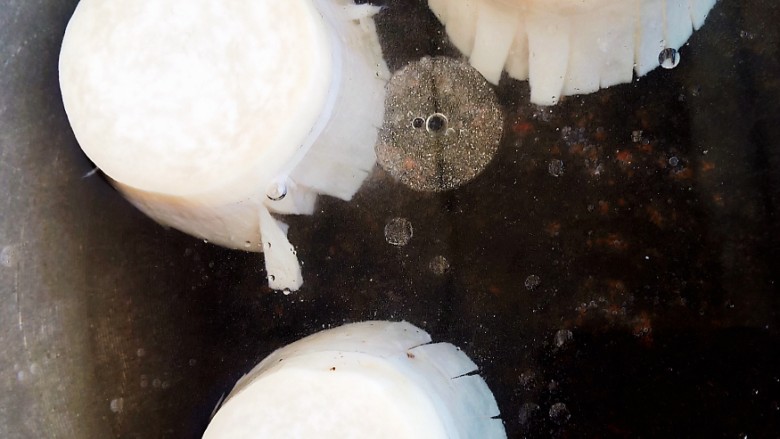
x,y
527,379
542,113
117,405
555,167
398,232
439,265
528,412
276,191
532,282
563,337
574,136
559,413
636,136
746,35
8,256
669,58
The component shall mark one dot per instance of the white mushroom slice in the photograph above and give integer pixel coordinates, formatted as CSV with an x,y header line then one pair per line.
x,y
495,33
370,379
194,109
567,47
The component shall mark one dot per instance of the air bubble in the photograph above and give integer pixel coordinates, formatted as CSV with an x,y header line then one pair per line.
x,y
8,256
528,412
398,232
559,413
276,191
674,161
439,265
418,122
562,337
436,123
532,282
555,168
669,58
117,405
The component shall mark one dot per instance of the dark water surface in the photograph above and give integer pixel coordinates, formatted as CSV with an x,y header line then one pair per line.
x,y
614,270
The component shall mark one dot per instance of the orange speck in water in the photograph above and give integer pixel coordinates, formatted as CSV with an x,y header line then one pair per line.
x,y
646,148
643,328
409,163
614,309
553,228
523,128
603,207
614,241
615,286
707,166
655,216
601,134
683,174
624,157
494,290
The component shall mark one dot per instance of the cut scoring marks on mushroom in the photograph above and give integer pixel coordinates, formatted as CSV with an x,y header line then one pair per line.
x,y
442,125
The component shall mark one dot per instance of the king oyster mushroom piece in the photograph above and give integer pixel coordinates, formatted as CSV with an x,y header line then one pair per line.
x,y
374,379
568,47
212,116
